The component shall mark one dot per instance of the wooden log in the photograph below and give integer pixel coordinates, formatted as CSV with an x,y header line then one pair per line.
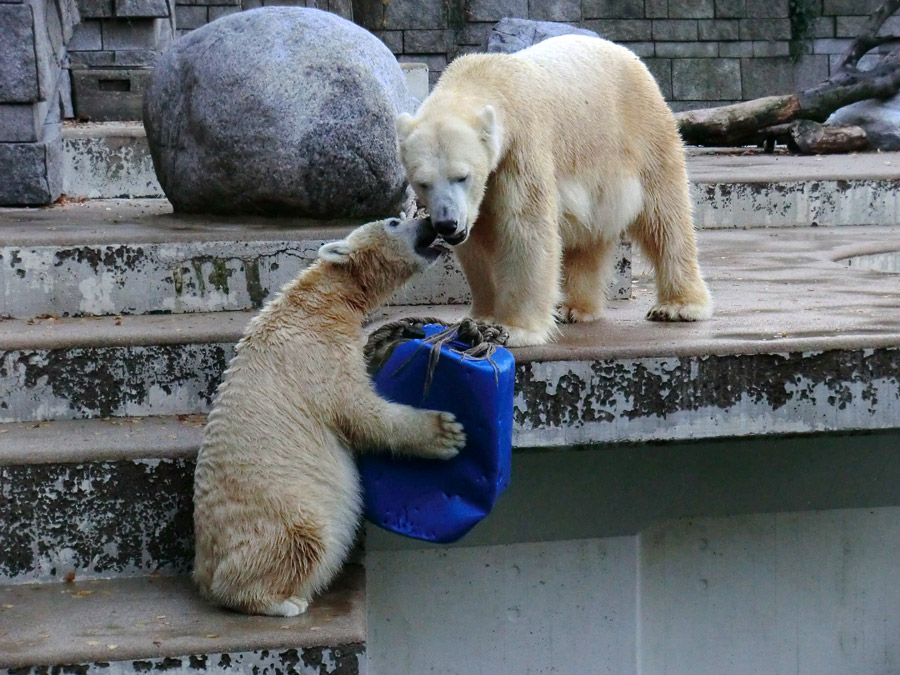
x,y
812,138
736,123
746,123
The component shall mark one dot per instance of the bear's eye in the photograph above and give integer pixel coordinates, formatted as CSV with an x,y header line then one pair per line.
x,y
461,179
423,186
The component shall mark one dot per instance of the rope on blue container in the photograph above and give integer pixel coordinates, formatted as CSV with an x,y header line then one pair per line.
x,y
470,338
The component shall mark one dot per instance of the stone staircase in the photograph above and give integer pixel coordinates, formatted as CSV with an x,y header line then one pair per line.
x,y
120,319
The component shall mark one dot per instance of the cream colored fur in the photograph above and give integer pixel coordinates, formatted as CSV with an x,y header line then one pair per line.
x,y
563,148
277,497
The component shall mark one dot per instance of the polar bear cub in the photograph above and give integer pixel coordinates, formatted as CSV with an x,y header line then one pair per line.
x,y
277,495
535,163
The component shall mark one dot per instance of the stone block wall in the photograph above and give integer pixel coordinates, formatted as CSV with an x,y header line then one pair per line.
x,y
702,52
112,53
191,14
34,96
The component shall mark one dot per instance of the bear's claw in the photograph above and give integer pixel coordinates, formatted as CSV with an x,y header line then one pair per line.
x,y
451,437
569,314
679,312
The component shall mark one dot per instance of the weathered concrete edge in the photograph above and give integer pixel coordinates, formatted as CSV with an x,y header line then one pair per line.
x,y
226,328
350,630
302,661
570,403
99,440
799,202
562,404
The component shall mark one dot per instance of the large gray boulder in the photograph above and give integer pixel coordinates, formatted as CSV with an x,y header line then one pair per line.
x,y
879,119
512,35
278,111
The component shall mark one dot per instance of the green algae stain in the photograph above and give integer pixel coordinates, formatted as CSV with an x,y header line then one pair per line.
x,y
197,264
219,275
254,287
178,278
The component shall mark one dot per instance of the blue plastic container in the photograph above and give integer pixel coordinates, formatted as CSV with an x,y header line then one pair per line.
x,y
437,500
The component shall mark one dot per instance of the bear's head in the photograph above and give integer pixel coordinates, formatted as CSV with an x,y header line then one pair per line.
x,y
381,256
448,159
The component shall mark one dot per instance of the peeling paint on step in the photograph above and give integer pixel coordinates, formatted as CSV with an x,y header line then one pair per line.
x,y
93,520
199,276
337,660
566,403
800,203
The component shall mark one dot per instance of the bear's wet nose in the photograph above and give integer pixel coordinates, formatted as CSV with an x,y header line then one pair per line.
x,y
445,227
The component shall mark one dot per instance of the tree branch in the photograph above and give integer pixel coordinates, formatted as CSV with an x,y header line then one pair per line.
x,y
742,123
868,39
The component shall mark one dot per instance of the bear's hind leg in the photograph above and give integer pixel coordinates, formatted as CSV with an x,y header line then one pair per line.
x,y
669,243
586,273
270,571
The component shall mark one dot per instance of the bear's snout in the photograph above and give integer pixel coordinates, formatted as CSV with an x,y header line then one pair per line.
x,y
446,227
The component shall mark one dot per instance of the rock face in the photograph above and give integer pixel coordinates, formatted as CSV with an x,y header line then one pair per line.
x,y
279,111
511,35
879,119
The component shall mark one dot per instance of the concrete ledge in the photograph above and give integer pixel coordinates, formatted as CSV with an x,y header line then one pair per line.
x,y
800,342
730,188
107,161
107,258
133,624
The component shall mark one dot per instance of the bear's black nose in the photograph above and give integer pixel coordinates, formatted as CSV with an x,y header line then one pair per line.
x,y
445,227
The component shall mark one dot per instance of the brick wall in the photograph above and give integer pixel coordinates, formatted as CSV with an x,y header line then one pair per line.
x,y
34,96
191,14
702,52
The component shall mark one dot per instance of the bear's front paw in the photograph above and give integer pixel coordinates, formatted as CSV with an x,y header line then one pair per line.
x,y
672,311
449,439
520,337
572,314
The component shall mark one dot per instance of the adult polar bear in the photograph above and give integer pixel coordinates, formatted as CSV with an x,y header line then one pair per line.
x,y
535,163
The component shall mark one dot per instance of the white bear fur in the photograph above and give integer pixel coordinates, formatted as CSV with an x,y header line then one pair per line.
x,y
277,497
545,158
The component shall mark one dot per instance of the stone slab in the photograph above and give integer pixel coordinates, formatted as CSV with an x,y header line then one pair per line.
x,y
35,170
18,59
806,343
749,188
99,519
144,621
98,165
142,8
21,122
186,265
114,495
109,94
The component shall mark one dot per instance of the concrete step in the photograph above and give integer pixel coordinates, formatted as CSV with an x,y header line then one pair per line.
x,y
135,257
97,498
746,187
731,187
159,623
800,342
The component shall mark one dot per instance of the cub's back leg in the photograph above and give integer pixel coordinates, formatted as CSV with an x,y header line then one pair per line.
x,y
270,570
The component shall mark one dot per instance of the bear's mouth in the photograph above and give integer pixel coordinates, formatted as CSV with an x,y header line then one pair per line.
x,y
428,244
434,250
456,238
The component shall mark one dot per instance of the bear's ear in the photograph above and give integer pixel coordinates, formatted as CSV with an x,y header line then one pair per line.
x,y
404,126
490,130
335,252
